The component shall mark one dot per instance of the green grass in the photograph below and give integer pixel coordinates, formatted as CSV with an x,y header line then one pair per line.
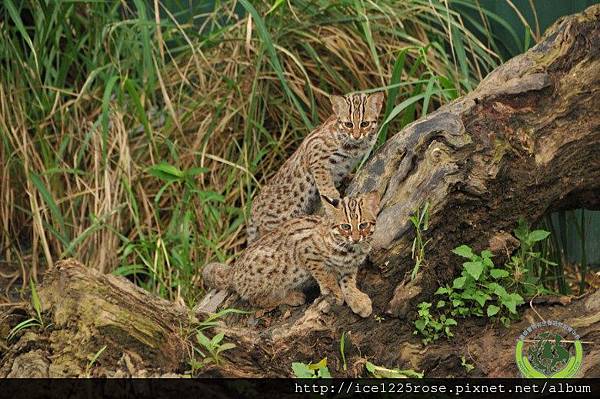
x,y
136,146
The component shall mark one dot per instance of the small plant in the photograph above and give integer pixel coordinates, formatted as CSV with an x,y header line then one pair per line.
x,y
93,359
211,321
430,326
479,291
468,366
479,283
383,372
420,221
311,370
528,267
35,321
342,350
213,346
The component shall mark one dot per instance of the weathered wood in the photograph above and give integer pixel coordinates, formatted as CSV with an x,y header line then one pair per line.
x,y
84,311
525,142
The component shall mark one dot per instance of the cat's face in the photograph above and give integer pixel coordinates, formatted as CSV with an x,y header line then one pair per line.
x,y
357,114
352,219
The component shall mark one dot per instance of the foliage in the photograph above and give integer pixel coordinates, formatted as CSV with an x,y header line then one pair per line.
x,y
311,370
36,320
420,221
430,326
480,282
93,360
212,346
383,372
211,321
484,290
343,350
527,266
468,366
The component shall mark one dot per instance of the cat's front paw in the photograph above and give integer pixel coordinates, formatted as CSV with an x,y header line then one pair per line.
x,y
360,303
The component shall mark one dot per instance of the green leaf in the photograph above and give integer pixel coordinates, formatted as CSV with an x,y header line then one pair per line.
x,y
488,262
370,367
538,235
459,282
464,251
498,273
225,347
203,340
301,370
440,304
518,298
267,41
511,301
166,172
510,305
324,373
383,372
474,269
492,310
217,339
498,290
49,200
442,290
420,324
321,364
522,230
35,300
196,171
481,297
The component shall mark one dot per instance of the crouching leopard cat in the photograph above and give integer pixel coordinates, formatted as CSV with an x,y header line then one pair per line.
x,y
325,157
327,249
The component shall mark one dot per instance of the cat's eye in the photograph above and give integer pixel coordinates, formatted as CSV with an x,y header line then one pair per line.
x,y
363,225
345,226
349,125
364,124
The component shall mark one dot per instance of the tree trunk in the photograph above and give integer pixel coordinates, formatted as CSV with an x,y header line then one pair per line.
x,y
525,142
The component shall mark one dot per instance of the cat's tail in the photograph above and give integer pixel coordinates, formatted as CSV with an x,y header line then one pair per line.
x,y
217,275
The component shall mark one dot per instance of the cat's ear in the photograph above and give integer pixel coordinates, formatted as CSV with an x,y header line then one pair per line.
x,y
329,204
339,105
374,103
371,200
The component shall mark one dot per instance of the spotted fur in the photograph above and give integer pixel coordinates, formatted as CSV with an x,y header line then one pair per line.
x,y
302,251
325,157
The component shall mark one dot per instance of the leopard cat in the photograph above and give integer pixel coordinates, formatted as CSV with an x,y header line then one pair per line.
x,y
319,165
323,249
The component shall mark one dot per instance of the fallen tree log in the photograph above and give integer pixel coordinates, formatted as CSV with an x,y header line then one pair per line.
x,y
525,142
84,311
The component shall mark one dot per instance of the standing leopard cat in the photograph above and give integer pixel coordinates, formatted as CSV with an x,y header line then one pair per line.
x,y
327,249
325,157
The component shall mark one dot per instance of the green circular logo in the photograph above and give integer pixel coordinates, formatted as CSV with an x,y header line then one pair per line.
x,y
549,349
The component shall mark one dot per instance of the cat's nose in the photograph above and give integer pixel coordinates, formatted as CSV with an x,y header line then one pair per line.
x,y
356,134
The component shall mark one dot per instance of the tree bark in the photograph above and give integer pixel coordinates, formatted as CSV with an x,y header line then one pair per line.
x,y
84,311
525,142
